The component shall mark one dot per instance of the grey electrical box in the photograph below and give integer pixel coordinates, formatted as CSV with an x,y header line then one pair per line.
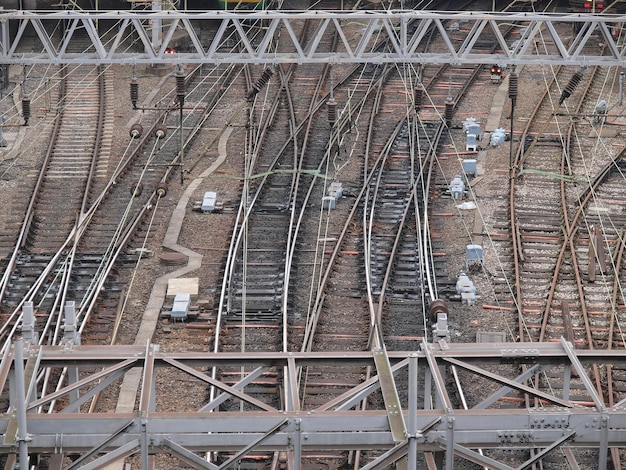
x,y
208,201
498,137
473,253
457,187
180,307
469,166
470,144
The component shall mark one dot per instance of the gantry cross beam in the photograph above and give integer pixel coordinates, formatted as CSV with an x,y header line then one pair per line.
x,y
128,37
55,421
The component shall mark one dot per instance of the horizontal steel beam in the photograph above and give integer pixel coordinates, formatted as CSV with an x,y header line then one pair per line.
x,y
231,431
114,435
250,37
510,353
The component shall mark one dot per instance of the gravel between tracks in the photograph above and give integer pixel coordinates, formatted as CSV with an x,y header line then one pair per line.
x,y
208,234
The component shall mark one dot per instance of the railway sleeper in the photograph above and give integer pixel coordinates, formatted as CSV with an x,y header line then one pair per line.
x,y
261,271
534,278
34,262
260,263
354,293
406,270
255,315
407,288
412,307
273,279
262,292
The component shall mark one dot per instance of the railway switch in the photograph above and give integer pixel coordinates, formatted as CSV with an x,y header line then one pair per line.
x,y
457,187
473,254
471,144
209,201
497,137
466,289
440,328
335,191
473,134
470,126
180,307
29,335
71,335
600,112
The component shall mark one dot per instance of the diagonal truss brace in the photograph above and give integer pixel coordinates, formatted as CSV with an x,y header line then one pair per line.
x,y
510,383
405,32
151,430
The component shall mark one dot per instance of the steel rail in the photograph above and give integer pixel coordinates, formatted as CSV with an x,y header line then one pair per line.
x,y
570,229
514,170
124,237
568,232
618,260
12,321
317,304
376,339
425,254
83,225
297,215
31,206
65,285
254,143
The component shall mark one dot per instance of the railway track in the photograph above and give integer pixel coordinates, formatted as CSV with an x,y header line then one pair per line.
x,y
73,161
263,277
92,264
557,173
269,270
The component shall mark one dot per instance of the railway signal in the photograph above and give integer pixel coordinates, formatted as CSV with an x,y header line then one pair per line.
x,y
496,73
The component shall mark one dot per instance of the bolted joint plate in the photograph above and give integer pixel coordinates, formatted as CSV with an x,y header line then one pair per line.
x,y
547,418
516,355
514,437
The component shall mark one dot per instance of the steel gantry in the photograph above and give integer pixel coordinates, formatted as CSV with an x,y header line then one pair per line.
x,y
127,37
54,422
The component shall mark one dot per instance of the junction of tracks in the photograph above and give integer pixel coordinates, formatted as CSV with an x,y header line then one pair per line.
x,y
440,430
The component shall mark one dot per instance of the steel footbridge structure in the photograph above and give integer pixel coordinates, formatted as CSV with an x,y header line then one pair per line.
x,y
128,37
28,37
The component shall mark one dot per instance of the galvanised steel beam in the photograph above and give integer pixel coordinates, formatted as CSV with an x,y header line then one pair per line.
x,y
103,437
126,37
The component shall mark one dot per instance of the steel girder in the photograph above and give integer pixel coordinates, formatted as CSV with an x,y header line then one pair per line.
x,y
27,426
136,37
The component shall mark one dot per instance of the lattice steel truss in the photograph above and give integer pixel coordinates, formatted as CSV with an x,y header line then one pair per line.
x,y
101,438
129,37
